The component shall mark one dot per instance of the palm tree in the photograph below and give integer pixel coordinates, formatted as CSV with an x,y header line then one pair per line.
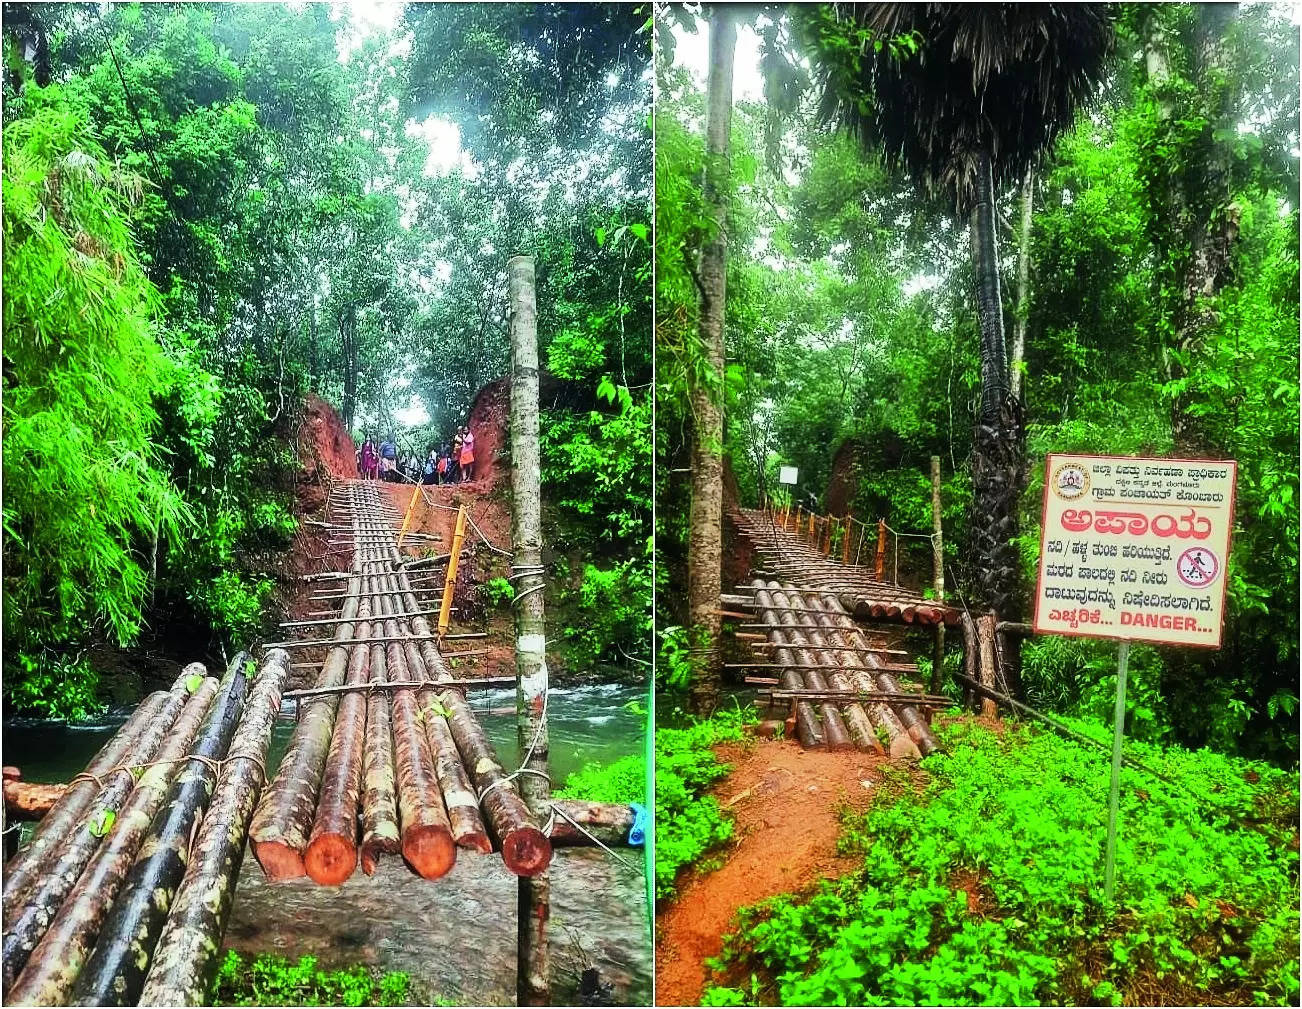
x,y
964,98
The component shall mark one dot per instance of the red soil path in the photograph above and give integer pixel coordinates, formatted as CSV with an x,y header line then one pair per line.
x,y
787,803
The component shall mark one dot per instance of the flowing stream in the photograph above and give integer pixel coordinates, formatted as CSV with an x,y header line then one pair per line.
x,y
455,937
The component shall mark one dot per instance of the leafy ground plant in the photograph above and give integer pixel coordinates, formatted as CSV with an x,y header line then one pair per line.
x,y
982,884
274,981
688,821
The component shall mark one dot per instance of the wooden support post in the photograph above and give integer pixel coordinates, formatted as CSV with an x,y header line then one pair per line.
x,y
445,611
985,632
796,528
406,519
879,566
811,528
938,575
845,540
533,970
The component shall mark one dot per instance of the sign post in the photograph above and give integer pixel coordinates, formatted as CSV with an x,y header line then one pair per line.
x,y
1133,550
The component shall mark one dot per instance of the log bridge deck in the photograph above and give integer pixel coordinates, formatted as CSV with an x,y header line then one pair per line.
x,y
123,894
839,683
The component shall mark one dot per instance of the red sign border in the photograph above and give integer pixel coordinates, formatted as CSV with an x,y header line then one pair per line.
x,y
1225,580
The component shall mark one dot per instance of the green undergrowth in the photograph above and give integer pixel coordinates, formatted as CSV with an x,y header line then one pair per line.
x,y
270,980
688,821
982,884
622,780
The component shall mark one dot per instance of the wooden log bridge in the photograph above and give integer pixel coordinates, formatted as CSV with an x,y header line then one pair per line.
x,y
840,685
123,894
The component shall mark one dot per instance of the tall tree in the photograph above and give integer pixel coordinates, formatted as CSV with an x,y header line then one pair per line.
x,y
964,97
705,545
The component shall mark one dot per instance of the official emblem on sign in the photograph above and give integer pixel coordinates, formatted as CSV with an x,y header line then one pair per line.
x,y
1198,567
1071,481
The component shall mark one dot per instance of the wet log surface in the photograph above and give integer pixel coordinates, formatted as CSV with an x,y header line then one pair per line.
x,y
187,956
31,861
58,958
380,835
28,921
285,814
116,969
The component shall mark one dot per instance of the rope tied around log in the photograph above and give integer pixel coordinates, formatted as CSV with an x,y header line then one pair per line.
x,y
591,837
524,571
216,765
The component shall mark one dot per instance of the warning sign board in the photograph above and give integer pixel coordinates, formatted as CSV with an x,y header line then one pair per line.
x,y
1135,549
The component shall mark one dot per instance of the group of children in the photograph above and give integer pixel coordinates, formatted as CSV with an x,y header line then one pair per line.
x,y
455,464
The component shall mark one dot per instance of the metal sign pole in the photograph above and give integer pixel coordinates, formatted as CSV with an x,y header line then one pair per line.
x,y
1118,730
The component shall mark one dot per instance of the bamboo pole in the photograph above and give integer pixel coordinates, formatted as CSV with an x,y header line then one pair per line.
x,y
879,564
450,582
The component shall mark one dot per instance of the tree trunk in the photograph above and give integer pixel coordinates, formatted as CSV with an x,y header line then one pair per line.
x,y
1017,364
1214,218
533,974
188,953
996,457
56,960
705,544
115,972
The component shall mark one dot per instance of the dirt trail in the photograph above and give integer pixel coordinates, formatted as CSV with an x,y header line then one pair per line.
x,y
786,802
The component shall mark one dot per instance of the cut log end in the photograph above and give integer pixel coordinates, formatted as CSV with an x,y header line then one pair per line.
x,y
475,840
526,851
330,859
429,850
279,861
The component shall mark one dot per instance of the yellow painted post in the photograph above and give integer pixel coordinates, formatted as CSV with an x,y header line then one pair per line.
x,y
406,520
796,528
810,537
879,565
445,612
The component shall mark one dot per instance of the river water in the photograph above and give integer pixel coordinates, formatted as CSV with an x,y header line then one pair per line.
x,y
455,936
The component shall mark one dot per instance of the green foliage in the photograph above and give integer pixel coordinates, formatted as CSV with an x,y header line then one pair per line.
x,y
273,981
622,780
981,882
689,822
614,604
496,591
85,485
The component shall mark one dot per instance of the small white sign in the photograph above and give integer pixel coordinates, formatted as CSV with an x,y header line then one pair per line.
x,y
787,474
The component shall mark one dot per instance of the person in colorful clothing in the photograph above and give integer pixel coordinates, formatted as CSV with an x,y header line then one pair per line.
x,y
467,455
370,460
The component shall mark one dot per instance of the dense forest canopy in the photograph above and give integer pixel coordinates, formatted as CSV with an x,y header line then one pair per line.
x,y
1148,266
212,209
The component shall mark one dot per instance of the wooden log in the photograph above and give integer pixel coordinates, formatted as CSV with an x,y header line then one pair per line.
x,y
427,843
608,822
331,853
188,953
24,928
807,728
468,830
30,800
971,655
380,835
285,814
525,849
57,959
115,972
985,632
31,862
858,725
477,682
